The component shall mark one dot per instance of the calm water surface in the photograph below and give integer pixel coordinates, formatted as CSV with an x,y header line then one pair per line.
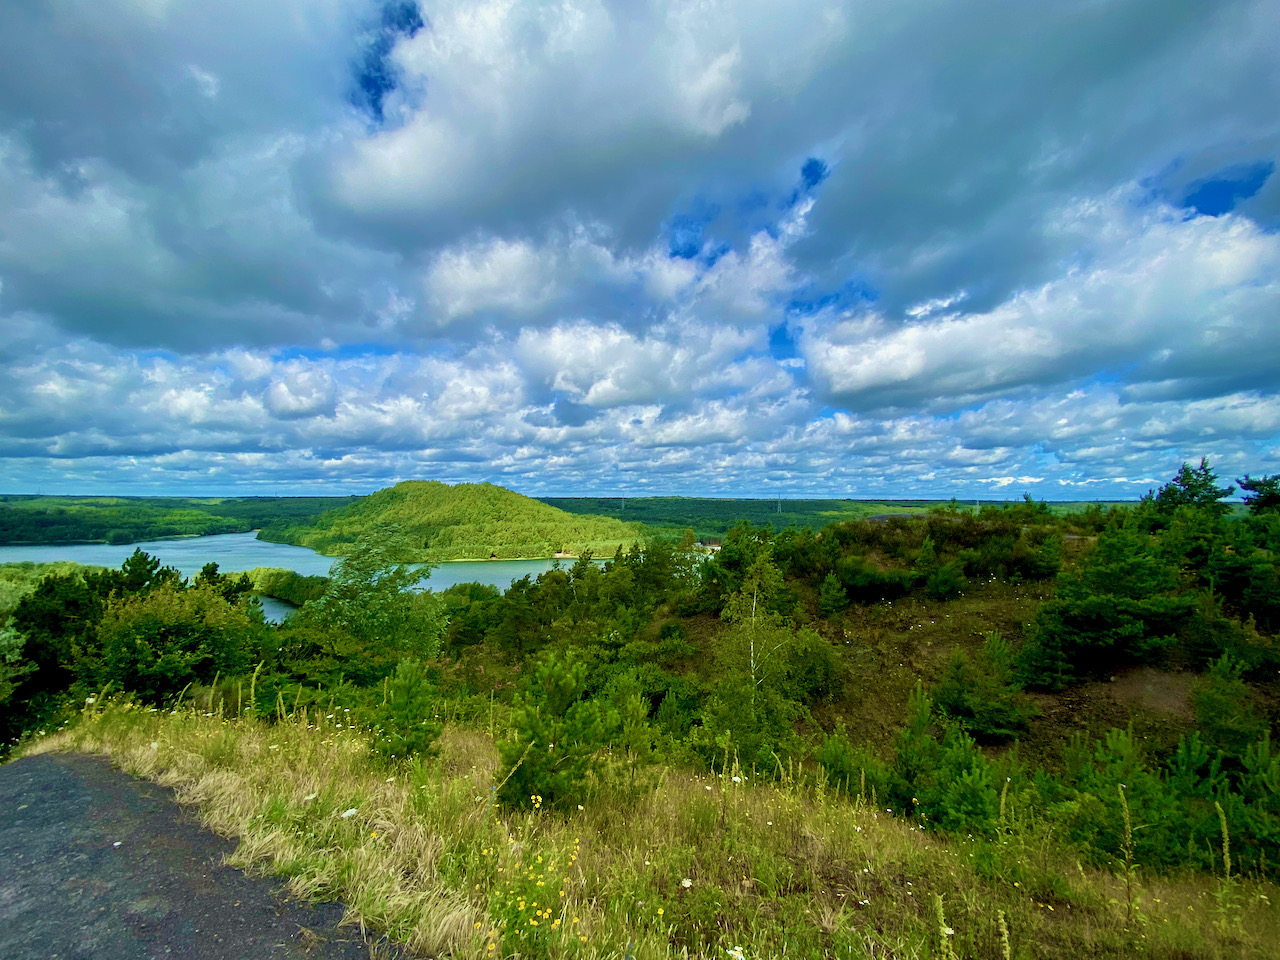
x,y
242,551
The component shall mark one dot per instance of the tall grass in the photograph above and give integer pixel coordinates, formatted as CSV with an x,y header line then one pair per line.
x,y
695,865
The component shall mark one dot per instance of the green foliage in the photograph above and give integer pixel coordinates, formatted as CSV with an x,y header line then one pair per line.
x,y
946,582
712,519
1261,494
1118,762
947,782
1225,714
851,767
603,673
157,642
287,585
1192,486
1122,605
369,596
982,695
832,597
556,731
13,667
25,519
435,521
406,722
19,579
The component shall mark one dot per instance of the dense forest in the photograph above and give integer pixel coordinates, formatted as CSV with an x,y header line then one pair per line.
x,y
31,519
427,521
710,519
1107,678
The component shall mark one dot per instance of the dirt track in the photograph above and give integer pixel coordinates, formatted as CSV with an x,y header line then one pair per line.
x,y
97,865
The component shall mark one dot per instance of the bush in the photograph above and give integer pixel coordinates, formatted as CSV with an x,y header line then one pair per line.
x,y
405,722
1225,714
1122,606
831,596
852,767
556,732
982,695
156,643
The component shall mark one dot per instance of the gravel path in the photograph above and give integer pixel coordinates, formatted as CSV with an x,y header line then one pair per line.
x,y
95,865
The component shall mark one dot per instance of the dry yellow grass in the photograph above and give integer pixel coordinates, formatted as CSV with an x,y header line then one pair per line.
x,y
693,865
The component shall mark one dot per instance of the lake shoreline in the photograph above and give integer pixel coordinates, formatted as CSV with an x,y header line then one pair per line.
x,y
239,552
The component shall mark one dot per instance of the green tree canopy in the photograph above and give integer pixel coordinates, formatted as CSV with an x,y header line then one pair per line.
x,y
1192,486
1261,494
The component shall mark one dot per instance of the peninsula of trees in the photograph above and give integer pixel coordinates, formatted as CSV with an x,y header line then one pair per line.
x,y
434,521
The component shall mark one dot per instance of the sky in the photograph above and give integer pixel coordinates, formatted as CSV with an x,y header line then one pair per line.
x,y
809,248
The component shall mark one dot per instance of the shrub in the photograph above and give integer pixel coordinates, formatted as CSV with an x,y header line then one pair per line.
x,y
405,722
982,695
852,767
831,596
1225,714
555,733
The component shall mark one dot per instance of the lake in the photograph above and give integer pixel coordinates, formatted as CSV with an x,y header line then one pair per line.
x,y
233,552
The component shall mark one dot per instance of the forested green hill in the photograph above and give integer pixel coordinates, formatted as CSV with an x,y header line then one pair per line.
x,y
436,521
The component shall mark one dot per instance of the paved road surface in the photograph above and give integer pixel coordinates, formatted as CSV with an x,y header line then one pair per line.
x,y
95,865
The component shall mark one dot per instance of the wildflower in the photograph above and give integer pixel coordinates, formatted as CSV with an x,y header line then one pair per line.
x,y
686,883
737,779
154,745
349,812
660,911
948,931
374,835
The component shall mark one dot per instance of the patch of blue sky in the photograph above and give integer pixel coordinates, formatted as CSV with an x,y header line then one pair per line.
x,y
854,291
685,232
1218,194
345,351
782,346
375,75
812,173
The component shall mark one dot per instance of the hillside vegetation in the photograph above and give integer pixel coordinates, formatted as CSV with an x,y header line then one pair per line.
x,y
434,521
992,734
33,519
711,519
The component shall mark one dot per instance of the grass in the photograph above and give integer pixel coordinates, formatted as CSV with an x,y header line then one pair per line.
x,y
692,864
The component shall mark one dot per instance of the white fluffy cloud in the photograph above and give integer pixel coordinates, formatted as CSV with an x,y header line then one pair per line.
x,y
823,247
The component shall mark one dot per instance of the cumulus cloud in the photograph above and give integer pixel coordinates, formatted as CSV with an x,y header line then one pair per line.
x,y
1160,297
823,247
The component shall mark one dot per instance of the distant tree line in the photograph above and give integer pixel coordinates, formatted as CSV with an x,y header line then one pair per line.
x,y
130,520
